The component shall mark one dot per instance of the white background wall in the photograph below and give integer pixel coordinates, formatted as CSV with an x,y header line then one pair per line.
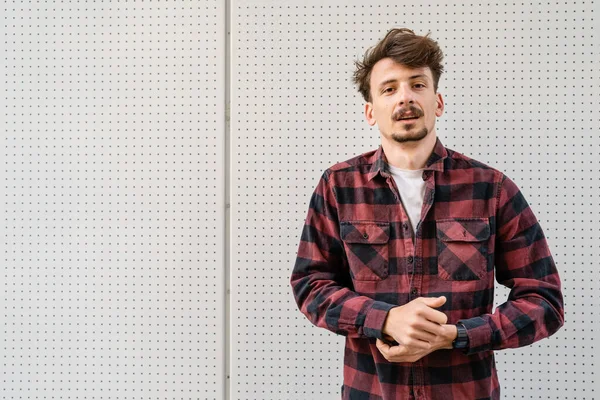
x,y
118,166
111,232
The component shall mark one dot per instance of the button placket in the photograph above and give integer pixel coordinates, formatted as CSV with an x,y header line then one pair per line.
x,y
392,185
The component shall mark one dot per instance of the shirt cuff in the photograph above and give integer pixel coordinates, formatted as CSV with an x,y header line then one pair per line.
x,y
479,333
375,319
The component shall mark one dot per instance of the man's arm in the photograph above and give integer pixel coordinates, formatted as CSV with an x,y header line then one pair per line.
x,y
321,280
534,309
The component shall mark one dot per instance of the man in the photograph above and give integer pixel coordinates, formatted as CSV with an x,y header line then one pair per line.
x,y
400,246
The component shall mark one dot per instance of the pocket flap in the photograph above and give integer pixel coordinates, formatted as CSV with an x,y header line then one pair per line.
x,y
369,232
463,229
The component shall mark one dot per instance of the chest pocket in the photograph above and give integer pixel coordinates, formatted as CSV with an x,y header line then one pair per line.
x,y
367,248
462,248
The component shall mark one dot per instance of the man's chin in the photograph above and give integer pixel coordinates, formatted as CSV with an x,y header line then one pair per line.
x,y
409,136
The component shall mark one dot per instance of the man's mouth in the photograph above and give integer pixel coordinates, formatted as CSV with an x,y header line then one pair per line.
x,y
408,119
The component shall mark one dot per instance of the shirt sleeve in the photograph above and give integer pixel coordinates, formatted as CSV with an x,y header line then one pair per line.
x,y
534,309
321,281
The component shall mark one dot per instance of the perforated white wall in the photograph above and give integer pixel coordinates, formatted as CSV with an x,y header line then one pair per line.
x,y
521,90
113,176
112,279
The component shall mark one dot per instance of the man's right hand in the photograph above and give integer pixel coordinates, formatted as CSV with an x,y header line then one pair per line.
x,y
416,324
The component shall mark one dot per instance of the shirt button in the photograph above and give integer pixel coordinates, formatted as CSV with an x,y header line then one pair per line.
x,y
410,259
366,235
414,291
405,225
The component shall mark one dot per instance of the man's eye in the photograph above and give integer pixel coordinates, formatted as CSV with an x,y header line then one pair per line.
x,y
420,84
387,89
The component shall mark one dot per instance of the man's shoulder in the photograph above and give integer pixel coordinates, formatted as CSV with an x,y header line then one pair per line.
x,y
358,162
457,160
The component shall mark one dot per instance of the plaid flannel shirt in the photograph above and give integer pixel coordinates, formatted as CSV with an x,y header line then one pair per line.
x,y
358,258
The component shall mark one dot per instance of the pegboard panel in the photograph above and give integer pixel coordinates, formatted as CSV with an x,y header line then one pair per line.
x,y
111,232
521,92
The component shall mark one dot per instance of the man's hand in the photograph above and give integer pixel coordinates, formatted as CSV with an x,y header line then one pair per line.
x,y
416,324
418,328
402,353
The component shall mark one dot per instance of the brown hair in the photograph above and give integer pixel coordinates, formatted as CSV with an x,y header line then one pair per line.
x,y
404,47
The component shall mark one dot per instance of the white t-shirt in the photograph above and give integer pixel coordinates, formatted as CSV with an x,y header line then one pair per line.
x,y
412,191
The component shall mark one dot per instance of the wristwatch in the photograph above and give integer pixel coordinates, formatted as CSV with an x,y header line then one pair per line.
x,y
462,340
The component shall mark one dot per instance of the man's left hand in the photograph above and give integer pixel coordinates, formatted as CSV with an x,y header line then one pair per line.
x,y
401,353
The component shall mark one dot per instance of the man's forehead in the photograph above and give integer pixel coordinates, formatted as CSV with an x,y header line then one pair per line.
x,y
390,70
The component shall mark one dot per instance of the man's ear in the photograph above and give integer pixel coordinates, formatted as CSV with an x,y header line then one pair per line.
x,y
439,110
370,114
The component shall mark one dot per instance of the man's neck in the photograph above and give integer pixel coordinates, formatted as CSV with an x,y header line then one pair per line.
x,y
409,155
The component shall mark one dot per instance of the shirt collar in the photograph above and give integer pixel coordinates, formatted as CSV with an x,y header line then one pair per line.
x,y
434,163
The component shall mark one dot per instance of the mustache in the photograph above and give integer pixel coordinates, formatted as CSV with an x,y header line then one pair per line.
x,y
401,113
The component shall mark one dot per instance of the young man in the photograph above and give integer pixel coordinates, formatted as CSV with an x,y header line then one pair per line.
x,y
401,245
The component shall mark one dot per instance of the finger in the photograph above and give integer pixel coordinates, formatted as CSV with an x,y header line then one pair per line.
x,y
383,349
430,328
433,315
424,336
382,346
416,343
388,339
398,351
434,302
405,354
414,333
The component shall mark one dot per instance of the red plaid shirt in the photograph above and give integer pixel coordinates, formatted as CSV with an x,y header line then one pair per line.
x,y
357,259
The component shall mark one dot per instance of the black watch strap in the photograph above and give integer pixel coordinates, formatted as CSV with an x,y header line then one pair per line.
x,y
462,339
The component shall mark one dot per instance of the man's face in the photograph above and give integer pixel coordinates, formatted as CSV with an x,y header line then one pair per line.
x,y
400,92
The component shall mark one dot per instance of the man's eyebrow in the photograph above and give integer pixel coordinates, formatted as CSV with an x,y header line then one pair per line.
x,y
382,84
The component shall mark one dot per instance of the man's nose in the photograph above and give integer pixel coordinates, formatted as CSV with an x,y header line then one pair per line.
x,y
405,96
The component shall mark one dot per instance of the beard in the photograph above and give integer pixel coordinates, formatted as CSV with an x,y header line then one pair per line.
x,y
410,136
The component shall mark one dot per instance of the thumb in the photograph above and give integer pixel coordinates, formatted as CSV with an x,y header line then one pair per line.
x,y
434,301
